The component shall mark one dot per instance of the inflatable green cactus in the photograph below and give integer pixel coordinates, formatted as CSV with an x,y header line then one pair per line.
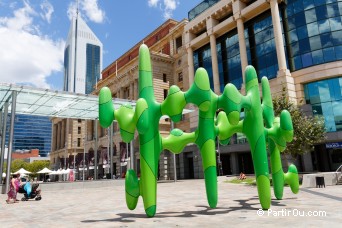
x,y
146,116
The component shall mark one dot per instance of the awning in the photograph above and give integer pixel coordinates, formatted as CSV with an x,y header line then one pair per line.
x,y
44,102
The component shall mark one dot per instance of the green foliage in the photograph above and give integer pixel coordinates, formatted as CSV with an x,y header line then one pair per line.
x,y
33,167
18,164
248,180
36,166
308,130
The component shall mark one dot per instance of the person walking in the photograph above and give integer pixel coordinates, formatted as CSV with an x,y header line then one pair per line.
x,y
12,193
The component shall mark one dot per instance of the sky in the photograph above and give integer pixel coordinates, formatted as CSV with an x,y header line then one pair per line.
x,y
33,33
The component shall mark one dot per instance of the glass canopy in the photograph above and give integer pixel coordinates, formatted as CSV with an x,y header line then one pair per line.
x,y
44,102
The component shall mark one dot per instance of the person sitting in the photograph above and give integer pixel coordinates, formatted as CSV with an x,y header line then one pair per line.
x,y
242,176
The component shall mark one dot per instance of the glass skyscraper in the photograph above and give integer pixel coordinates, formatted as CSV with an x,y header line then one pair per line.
x,y
82,58
31,132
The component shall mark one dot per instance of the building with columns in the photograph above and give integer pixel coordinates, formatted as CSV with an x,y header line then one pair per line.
x,y
295,43
169,63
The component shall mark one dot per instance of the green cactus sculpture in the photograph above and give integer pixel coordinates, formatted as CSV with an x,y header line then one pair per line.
x,y
278,131
145,118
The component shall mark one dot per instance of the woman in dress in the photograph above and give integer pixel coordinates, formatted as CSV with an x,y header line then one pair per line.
x,y
12,193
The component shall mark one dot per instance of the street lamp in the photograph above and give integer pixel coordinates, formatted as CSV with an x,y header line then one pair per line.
x,y
84,149
73,167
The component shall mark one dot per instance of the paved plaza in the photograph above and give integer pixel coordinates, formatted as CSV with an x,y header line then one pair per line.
x,y
180,204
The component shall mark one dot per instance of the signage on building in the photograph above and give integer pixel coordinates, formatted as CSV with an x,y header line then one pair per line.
x,y
333,145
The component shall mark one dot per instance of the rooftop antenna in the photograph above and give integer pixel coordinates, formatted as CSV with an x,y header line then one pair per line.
x,y
77,6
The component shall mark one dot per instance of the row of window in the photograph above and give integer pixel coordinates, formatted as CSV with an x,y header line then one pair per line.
x,y
31,132
326,99
92,67
314,32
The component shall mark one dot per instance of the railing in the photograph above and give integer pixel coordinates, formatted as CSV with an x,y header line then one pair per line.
x,y
339,168
201,8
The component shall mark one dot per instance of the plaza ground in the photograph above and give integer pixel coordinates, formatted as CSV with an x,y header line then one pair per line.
x,y
180,204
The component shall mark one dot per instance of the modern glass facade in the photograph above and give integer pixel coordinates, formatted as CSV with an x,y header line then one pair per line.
x,y
313,35
315,32
326,99
202,58
31,132
228,54
260,47
93,67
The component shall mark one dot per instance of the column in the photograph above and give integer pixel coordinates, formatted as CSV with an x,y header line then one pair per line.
x,y
278,37
95,151
242,44
233,163
10,141
131,88
111,150
135,90
58,136
283,75
210,24
190,66
214,64
3,139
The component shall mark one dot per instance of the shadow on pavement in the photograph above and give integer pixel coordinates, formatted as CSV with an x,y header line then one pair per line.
x,y
243,206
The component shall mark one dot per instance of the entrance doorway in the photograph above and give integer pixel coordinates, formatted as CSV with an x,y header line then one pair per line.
x,y
188,166
225,159
245,163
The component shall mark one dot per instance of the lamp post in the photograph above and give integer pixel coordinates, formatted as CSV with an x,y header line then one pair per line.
x,y
84,146
73,167
174,158
84,149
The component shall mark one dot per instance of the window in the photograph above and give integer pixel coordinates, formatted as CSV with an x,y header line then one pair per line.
x,y
178,42
79,120
78,142
180,76
126,93
165,93
79,130
164,78
326,99
312,28
93,70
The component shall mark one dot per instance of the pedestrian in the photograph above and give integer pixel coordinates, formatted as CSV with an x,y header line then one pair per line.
x,y
11,194
17,186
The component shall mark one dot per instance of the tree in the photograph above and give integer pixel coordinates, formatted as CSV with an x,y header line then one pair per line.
x,y
308,130
33,167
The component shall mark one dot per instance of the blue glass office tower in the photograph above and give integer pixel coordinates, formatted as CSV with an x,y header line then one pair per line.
x,y
31,132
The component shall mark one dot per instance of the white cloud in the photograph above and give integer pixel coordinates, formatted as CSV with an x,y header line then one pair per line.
x,y
92,10
153,3
47,9
89,8
167,7
26,57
